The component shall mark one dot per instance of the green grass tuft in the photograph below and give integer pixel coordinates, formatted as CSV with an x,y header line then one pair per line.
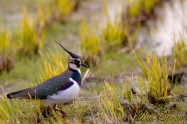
x,y
63,8
136,8
109,107
31,38
156,74
89,43
179,52
113,34
6,59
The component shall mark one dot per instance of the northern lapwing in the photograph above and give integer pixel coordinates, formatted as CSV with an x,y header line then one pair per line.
x,y
59,89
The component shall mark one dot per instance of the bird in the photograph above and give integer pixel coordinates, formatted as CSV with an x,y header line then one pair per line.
x,y
59,89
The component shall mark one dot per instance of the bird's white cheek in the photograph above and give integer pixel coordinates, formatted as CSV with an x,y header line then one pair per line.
x,y
74,67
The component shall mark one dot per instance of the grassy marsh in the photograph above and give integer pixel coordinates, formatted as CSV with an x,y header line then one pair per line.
x,y
106,95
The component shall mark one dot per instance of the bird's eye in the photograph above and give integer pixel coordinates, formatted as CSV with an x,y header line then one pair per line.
x,y
77,61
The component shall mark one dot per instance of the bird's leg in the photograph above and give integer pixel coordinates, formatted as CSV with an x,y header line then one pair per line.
x,y
45,111
48,108
61,111
55,107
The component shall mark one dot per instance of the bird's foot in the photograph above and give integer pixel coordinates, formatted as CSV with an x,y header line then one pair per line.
x,y
64,115
45,111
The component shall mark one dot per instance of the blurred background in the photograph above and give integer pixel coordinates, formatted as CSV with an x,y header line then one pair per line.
x,y
109,34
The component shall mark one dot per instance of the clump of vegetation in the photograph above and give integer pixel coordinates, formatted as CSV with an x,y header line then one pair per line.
x,y
149,5
46,14
63,8
179,52
155,73
136,8
15,111
117,104
42,22
6,60
31,38
89,44
26,111
113,34
109,107
128,93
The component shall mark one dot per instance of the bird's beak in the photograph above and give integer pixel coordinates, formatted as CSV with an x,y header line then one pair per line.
x,y
82,64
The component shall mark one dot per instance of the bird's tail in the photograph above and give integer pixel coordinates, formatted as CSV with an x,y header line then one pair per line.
x,y
18,94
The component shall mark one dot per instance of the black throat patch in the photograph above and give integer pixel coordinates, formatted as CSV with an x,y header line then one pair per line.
x,y
77,77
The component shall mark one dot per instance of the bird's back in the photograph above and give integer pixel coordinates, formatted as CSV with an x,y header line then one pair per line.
x,y
48,87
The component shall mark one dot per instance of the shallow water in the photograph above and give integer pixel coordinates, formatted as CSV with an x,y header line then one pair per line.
x,y
171,24
160,33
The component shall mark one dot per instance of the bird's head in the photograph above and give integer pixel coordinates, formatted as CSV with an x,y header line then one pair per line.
x,y
75,61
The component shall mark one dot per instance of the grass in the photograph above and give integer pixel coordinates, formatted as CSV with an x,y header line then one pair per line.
x,y
136,8
53,63
113,34
89,43
108,61
178,88
100,103
110,108
6,59
4,41
61,31
13,111
127,92
63,8
30,39
179,52
156,74
107,110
